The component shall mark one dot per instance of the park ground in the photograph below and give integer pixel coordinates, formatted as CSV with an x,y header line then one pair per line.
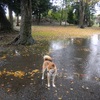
x,y
75,51
63,32
53,32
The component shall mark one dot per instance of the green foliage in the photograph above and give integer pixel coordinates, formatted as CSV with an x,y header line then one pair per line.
x,y
13,4
40,6
76,12
70,18
91,23
56,15
4,23
17,7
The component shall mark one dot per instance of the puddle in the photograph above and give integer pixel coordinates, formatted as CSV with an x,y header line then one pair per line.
x,y
80,57
76,59
75,56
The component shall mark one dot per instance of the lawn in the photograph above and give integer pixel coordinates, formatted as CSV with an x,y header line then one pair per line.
x,y
53,32
61,32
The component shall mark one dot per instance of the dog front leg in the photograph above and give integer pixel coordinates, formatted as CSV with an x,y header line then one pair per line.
x,y
53,80
43,70
48,79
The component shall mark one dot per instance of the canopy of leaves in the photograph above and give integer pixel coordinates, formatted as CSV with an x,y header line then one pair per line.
x,y
40,6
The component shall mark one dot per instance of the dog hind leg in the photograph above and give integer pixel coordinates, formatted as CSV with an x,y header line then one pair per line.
x,y
48,79
43,70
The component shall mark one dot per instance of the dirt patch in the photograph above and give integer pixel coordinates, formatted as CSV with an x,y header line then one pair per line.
x,y
6,37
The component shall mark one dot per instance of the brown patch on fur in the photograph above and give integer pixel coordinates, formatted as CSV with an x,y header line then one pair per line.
x,y
51,66
48,59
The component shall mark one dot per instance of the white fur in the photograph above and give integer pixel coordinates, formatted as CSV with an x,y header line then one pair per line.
x,y
47,57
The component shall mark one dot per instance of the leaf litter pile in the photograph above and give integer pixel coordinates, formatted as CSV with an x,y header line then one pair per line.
x,y
19,74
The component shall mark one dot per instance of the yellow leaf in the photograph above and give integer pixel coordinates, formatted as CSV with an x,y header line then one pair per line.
x,y
59,98
19,74
35,71
8,89
3,57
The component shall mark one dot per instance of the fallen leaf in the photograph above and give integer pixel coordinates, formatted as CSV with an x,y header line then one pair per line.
x,y
59,98
3,57
35,71
2,85
83,86
19,74
96,78
71,89
8,89
87,88
67,92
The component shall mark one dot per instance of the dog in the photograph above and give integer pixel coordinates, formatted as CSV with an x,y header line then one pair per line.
x,y
50,67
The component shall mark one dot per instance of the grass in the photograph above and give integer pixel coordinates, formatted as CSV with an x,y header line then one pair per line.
x,y
61,32
40,33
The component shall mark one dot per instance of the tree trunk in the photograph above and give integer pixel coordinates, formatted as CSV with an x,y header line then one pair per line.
x,y
5,24
17,23
25,37
65,17
61,17
81,10
10,16
38,18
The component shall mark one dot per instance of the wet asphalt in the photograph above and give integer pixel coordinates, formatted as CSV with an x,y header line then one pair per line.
x,y
78,63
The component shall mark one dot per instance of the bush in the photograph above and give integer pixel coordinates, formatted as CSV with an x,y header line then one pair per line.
x,y
91,23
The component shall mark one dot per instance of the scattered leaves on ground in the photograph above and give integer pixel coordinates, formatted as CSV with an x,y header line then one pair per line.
x,y
18,74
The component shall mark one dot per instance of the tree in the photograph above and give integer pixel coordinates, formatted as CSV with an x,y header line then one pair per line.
x,y
86,10
98,19
25,37
8,25
17,10
81,12
39,8
10,13
70,18
9,4
54,13
5,25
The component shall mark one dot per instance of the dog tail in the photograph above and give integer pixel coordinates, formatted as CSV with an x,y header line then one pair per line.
x,y
47,58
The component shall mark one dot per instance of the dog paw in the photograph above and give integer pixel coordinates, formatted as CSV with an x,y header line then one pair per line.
x,y
48,85
42,78
54,85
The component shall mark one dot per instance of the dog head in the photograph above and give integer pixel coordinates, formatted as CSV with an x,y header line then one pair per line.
x,y
51,68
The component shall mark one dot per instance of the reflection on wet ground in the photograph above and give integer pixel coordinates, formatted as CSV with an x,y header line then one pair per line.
x,y
78,63
78,57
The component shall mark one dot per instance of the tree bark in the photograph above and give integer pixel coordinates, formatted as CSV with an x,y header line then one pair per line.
x,y
17,23
61,17
81,10
25,37
38,18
